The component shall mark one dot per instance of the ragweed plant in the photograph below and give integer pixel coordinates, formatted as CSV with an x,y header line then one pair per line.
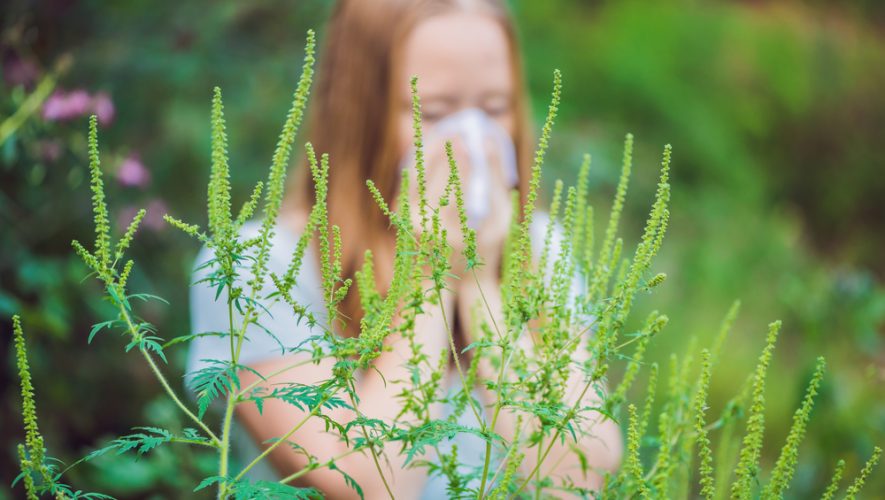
x,y
546,359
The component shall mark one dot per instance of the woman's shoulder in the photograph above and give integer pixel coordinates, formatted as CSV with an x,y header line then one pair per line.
x,y
208,306
284,237
285,233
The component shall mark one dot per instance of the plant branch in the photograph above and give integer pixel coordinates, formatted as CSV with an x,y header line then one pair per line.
x,y
284,437
571,413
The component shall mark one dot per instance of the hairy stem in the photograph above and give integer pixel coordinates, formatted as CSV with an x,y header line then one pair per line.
x,y
318,465
451,335
161,378
224,452
277,373
371,445
175,399
498,405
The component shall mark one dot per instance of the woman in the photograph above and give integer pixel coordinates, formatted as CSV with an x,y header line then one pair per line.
x,y
465,56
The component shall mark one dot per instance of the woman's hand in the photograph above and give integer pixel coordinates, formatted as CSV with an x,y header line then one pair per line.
x,y
437,196
491,230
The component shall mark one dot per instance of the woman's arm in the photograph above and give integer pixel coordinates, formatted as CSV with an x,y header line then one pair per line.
x,y
602,445
378,399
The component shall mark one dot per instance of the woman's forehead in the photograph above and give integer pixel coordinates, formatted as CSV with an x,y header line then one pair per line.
x,y
457,55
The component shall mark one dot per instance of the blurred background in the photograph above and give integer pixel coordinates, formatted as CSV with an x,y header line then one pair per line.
x,y
775,110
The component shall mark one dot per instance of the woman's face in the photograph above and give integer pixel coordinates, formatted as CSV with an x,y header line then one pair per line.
x,y
462,60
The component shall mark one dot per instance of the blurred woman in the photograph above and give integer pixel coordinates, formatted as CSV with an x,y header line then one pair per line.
x,y
465,55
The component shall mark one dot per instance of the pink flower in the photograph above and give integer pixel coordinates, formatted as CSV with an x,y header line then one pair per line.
x,y
61,106
132,172
103,108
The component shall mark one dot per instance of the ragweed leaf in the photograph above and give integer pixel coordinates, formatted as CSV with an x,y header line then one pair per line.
x,y
213,380
141,442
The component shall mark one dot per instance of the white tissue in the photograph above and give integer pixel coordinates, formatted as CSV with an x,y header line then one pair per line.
x,y
477,131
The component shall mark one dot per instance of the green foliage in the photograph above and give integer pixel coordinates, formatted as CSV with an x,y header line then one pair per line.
x,y
747,468
705,455
219,179
864,474
786,463
549,341
468,233
220,377
31,453
246,490
39,472
685,427
147,440
633,467
834,483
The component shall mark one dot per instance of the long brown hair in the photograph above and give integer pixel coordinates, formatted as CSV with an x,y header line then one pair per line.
x,y
352,118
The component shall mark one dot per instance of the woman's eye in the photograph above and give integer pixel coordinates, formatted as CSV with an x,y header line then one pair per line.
x,y
431,117
496,109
